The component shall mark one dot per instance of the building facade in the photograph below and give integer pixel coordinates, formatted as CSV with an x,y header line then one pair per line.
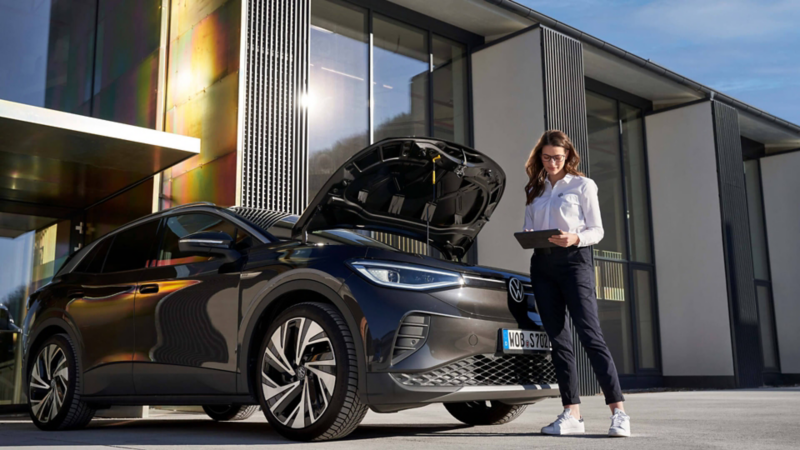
x,y
110,110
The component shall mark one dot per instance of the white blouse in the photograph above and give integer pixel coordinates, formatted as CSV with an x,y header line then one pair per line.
x,y
571,205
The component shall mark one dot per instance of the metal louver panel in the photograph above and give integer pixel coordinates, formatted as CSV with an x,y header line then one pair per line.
x,y
565,90
565,110
737,247
263,218
273,128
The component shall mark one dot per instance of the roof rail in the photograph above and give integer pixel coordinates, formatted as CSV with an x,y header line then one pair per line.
x,y
190,204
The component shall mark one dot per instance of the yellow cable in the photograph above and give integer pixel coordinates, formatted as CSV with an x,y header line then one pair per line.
x,y
434,167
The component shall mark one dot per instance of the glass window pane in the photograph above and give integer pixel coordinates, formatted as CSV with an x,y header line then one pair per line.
x,y
766,319
614,312
338,103
635,182
93,262
131,248
645,319
604,161
401,63
755,211
450,114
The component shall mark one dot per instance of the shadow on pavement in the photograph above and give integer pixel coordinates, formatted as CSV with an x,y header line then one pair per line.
x,y
206,432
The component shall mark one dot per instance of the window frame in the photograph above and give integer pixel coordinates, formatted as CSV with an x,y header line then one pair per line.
x,y
430,27
645,106
760,281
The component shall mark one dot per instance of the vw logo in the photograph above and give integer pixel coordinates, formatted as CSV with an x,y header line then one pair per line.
x,y
515,289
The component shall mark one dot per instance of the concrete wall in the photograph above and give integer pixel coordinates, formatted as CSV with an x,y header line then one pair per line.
x,y
780,184
687,232
508,110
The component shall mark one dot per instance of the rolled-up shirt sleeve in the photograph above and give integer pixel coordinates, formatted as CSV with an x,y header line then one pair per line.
x,y
528,225
593,233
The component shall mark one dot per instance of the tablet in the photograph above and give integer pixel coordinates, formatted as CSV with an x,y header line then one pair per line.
x,y
536,239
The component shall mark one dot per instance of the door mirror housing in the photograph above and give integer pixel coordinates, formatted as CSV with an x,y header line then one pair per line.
x,y
214,243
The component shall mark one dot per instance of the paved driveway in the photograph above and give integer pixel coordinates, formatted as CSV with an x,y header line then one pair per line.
x,y
745,419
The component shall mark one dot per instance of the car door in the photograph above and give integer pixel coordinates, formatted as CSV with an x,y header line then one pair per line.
x,y
100,300
187,312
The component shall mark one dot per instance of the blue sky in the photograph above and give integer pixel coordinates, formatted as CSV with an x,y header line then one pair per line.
x,y
747,49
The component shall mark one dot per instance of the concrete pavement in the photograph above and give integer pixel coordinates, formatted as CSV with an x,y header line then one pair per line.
x,y
734,419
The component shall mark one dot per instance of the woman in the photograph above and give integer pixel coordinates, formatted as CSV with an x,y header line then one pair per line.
x,y
560,197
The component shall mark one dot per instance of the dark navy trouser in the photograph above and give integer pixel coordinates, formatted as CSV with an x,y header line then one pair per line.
x,y
562,280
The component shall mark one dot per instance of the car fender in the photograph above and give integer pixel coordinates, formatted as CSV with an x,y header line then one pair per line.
x,y
313,281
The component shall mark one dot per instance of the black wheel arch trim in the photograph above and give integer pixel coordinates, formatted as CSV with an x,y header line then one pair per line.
x,y
65,323
245,382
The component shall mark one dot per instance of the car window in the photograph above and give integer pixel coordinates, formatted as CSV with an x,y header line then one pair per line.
x,y
178,227
131,248
93,262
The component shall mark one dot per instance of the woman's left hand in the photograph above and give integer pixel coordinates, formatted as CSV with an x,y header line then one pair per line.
x,y
564,239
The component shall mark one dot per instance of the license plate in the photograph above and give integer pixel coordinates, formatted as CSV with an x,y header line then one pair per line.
x,y
521,340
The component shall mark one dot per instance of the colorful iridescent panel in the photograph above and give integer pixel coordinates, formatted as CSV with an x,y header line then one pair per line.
x,y
202,98
213,182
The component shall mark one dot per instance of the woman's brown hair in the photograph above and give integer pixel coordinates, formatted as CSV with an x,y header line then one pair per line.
x,y
535,167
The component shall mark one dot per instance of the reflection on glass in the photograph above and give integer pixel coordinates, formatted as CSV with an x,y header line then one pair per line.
x,y
635,179
338,103
118,211
16,258
766,319
449,74
613,310
755,211
401,65
605,169
645,310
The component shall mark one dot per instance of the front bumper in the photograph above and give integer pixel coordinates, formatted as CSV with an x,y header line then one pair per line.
x,y
388,394
460,361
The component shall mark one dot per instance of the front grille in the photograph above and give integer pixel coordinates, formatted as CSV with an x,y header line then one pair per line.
x,y
486,370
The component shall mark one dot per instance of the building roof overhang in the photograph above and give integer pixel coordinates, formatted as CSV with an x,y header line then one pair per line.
x,y
609,64
53,164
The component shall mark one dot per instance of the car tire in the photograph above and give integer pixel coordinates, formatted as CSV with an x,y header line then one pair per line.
x,y
484,412
224,413
313,396
54,386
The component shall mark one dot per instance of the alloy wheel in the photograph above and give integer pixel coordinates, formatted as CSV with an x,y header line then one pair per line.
x,y
48,383
298,374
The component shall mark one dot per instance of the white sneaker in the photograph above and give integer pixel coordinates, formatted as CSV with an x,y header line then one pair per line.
x,y
564,424
620,424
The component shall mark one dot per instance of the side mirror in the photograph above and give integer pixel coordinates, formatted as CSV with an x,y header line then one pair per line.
x,y
214,243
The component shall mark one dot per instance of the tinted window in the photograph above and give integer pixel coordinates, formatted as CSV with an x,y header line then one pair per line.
x,y
93,262
178,227
131,248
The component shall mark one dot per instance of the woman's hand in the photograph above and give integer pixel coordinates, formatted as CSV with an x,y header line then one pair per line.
x,y
565,239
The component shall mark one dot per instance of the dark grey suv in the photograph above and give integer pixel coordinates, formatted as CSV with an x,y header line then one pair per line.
x,y
307,317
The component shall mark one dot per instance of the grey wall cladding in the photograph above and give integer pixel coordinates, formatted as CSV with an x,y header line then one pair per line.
x,y
565,110
565,90
748,362
274,143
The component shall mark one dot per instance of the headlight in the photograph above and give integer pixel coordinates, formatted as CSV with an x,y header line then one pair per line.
x,y
406,276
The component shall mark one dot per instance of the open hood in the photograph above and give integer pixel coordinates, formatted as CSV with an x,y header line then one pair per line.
x,y
389,187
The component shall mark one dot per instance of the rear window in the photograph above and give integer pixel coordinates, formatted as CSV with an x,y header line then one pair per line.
x,y
132,248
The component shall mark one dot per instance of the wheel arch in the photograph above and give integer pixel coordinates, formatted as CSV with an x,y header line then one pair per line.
x,y
43,331
276,301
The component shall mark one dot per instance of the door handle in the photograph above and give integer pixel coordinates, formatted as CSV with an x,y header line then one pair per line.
x,y
148,289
